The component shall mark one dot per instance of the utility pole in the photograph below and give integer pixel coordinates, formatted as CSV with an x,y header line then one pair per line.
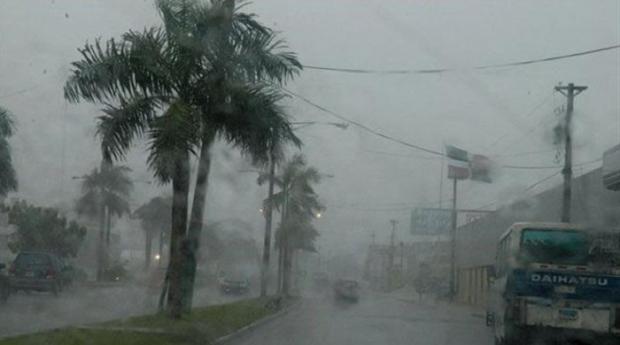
x,y
392,238
570,91
391,253
268,209
453,242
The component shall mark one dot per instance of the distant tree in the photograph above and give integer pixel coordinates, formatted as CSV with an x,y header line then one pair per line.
x,y
8,178
156,220
43,229
105,193
298,204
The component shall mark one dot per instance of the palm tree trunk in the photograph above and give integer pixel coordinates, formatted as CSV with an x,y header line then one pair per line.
x,y
108,225
264,278
286,277
180,191
147,249
101,242
197,215
161,248
280,267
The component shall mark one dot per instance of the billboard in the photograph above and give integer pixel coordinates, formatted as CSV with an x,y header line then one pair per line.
x,y
431,221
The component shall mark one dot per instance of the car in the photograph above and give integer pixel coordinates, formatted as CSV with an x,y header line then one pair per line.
x,y
347,289
5,285
36,271
233,284
321,280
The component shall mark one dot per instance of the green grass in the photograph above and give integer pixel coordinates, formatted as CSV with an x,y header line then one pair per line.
x,y
203,324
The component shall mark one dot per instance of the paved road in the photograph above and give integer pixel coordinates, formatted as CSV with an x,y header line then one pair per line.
x,y
25,313
376,319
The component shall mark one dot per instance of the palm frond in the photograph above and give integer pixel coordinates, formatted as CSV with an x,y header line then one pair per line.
x,y
122,123
263,57
8,177
7,124
172,135
88,204
253,121
134,65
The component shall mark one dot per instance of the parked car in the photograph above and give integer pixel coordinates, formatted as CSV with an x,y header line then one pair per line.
x,y
5,285
36,271
233,284
347,290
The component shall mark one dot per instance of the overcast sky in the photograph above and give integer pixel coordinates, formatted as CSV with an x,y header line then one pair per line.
x,y
505,113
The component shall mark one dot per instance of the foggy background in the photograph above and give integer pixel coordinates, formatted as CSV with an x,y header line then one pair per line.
x,y
505,113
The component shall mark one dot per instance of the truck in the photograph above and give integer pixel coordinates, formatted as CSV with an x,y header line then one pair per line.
x,y
555,281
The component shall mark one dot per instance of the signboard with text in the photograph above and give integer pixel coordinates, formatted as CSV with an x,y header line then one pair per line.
x,y
430,221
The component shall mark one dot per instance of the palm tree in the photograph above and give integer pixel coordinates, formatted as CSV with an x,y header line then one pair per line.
x,y
298,204
8,178
170,84
155,221
105,193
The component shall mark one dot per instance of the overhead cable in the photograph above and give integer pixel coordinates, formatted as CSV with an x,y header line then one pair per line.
x,y
442,70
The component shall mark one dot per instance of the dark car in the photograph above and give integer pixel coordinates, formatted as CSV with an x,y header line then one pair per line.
x,y
347,290
36,271
5,285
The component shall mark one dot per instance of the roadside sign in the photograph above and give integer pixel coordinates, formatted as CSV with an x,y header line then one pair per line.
x,y
430,221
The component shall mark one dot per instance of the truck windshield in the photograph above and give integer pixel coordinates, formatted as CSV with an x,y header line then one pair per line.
x,y
563,247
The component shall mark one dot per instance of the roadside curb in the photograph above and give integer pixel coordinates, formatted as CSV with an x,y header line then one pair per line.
x,y
255,324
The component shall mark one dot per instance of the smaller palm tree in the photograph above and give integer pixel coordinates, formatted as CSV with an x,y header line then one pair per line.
x,y
8,177
105,193
155,219
298,204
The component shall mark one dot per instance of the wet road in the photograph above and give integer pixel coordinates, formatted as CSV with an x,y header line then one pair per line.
x,y
376,319
26,313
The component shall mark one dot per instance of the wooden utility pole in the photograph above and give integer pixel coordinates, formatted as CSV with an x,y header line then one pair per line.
x,y
453,242
570,91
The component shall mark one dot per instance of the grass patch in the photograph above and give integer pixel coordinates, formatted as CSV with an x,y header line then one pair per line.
x,y
73,336
204,324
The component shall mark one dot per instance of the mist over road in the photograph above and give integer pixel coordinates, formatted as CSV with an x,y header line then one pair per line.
x,y
376,319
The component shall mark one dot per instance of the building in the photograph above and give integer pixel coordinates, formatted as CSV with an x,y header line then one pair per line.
x,y
592,204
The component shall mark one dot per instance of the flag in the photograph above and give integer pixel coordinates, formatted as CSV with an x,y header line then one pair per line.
x,y
480,168
458,163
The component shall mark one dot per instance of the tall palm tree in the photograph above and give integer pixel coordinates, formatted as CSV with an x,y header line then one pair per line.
x,y
155,221
8,177
105,193
163,84
298,204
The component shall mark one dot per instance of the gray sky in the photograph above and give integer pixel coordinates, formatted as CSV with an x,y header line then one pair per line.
x,y
487,112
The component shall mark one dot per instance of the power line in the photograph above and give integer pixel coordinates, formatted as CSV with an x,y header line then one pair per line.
x,y
364,127
442,70
530,187
549,166
402,142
